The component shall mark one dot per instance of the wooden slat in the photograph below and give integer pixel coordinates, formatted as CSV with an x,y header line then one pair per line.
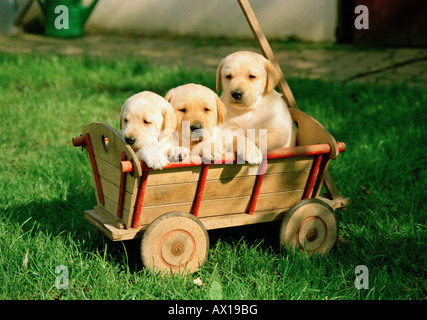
x,y
110,206
100,209
273,166
110,188
169,194
173,176
240,219
112,174
181,175
224,188
111,191
278,200
111,150
228,188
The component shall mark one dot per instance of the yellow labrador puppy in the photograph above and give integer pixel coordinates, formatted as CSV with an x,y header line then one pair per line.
x,y
147,122
200,115
248,81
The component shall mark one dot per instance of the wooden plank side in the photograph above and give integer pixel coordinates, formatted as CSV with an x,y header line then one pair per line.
x,y
286,181
278,200
111,197
106,215
289,165
169,194
224,188
173,176
227,171
110,206
110,182
224,171
107,144
268,201
240,219
112,174
111,191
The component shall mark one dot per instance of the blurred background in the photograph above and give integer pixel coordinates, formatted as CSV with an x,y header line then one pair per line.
x,y
391,22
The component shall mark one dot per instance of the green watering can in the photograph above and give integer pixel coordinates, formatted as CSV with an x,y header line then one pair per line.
x,y
65,18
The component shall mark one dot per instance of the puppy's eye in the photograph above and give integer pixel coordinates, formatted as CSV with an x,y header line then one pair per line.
x,y
147,122
125,120
183,110
207,109
228,76
251,76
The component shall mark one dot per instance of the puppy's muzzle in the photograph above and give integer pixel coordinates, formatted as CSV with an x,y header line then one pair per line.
x,y
130,140
237,94
196,131
196,126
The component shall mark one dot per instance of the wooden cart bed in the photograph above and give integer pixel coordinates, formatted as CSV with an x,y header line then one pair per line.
x,y
222,194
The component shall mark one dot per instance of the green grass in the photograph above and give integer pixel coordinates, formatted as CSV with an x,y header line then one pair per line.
x,y
46,184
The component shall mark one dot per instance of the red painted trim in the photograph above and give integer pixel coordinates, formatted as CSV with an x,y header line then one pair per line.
x,y
320,177
94,169
299,151
122,188
199,192
140,200
312,176
257,186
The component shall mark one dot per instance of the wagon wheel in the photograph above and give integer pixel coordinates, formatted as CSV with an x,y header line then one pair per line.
x,y
176,242
310,225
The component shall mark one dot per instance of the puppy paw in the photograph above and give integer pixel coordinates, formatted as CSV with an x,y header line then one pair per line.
x,y
249,152
179,153
254,157
210,151
152,157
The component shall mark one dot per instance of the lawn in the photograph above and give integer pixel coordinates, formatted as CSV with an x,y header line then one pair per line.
x,y
46,184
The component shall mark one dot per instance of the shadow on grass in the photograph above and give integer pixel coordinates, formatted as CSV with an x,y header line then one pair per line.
x,y
65,219
264,235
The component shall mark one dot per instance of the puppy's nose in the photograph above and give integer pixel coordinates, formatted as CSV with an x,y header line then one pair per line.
x,y
237,94
195,126
130,140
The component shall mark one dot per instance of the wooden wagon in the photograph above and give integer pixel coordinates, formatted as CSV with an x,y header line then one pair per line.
x,y
172,209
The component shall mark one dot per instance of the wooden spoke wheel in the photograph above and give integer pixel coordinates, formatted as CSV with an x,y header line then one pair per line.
x,y
310,225
176,242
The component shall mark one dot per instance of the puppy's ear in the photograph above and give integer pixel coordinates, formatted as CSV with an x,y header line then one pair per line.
x,y
221,110
218,76
121,116
168,95
169,117
273,77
